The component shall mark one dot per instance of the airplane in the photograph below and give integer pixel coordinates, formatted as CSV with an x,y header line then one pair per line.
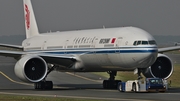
x,y
93,50
176,43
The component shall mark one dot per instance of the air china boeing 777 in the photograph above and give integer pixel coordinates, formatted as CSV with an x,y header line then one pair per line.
x,y
96,50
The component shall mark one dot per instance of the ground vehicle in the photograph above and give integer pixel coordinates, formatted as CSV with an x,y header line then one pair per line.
x,y
147,85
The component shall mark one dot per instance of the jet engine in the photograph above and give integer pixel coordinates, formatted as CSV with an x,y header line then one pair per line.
x,y
31,68
162,68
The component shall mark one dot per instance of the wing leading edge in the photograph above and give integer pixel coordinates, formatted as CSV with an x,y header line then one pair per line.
x,y
11,47
8,50
15,52
167,49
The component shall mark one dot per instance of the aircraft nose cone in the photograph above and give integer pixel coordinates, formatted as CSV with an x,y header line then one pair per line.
x,y
147,59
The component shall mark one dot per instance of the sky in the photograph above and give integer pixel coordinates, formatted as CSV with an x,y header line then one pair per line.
x,y
158,17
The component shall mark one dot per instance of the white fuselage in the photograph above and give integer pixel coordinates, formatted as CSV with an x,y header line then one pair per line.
x,y
98,49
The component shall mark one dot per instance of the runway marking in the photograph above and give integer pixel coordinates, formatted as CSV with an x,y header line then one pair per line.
x,y
53,87
22,83
14,80
83,77
90,80
76,97
103,90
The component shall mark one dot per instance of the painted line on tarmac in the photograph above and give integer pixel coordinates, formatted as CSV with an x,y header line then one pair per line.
x,y
14,80
31,84
22,83
54,86
104,90
75,97
84,77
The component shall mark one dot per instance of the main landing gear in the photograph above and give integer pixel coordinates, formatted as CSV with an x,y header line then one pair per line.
x,y
45,85
111,83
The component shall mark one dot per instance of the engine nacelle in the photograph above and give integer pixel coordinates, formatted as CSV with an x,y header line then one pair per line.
x,y
162,68
31,68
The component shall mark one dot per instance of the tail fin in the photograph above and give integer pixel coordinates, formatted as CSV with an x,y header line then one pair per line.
x,y
30,21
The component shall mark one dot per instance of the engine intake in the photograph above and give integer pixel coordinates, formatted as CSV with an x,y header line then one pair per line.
x,y
31,68
162,68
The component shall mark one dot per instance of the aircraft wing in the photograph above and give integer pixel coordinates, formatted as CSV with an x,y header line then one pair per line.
x,y
9,53
166,49
63,60
11,47
11,50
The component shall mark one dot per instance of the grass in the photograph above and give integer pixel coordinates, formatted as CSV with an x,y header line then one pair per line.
x,y
33,98
175,80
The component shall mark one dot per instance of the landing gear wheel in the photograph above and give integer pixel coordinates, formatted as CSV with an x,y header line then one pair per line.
x,y
39,85
44,85
105,85
111,83
49,85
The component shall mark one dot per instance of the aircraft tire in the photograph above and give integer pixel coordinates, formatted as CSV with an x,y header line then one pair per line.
x,y
49,85
44,85
110,84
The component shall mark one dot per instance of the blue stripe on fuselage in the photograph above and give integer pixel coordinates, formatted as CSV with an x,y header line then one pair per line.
x,y
101,50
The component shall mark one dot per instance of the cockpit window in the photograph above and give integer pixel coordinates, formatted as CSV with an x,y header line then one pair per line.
x,y
135,42
144,42
152,42
138,42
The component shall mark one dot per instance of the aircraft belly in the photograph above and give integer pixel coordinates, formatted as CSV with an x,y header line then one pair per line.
x,y
117,59
101,62
89,59
117,62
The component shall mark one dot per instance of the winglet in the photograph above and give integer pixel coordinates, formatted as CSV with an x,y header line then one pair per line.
x,y
30,21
